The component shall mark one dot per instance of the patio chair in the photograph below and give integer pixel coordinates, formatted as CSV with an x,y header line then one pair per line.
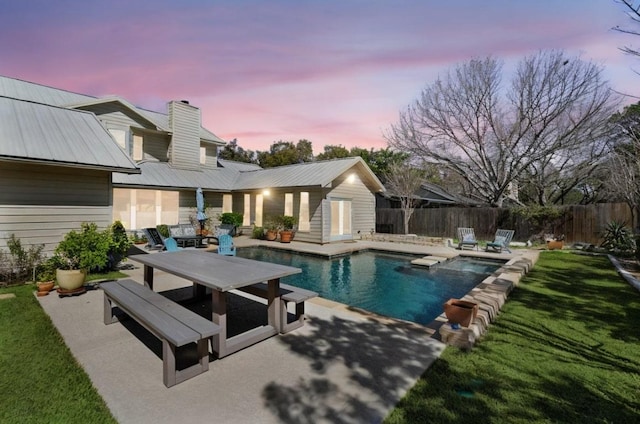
x,y
225,245
171,245
154,239
501,241
467,237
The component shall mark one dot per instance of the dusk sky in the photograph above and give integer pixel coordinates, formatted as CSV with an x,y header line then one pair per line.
x,y
333,72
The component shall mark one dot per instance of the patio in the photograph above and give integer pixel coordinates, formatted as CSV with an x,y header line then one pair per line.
x,y
333,369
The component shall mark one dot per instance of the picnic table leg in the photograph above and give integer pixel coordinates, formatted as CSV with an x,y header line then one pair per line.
x,y
273,304
219,316
148,276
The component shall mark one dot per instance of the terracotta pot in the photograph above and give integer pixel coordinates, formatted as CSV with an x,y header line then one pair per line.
x,y
44,287
554,244
286,236
460,311
271,235
70,279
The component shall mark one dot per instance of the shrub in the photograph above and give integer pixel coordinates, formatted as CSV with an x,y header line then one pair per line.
x,y
232,218
19,264
163,229
618,237
257,233
85,249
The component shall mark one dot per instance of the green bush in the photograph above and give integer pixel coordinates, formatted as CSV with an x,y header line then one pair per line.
x,y
163,229
232,218
257,233
18,265
85,249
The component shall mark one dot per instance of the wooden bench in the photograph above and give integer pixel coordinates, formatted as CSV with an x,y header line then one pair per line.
x,y
287,294
173,324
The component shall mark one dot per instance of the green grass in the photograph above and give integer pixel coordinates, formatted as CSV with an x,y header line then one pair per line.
x,y
565,348
40,381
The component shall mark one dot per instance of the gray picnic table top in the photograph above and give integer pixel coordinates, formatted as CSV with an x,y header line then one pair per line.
x,y
222,274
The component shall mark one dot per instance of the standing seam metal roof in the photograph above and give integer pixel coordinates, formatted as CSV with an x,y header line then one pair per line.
x,y
52,134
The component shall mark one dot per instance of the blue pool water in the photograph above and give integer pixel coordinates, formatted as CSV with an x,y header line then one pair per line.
x,y
384,283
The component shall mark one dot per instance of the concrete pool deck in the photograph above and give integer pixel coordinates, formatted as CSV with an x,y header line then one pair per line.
x,y
341,366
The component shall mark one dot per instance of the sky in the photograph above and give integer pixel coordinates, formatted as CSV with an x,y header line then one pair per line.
x,y
334,72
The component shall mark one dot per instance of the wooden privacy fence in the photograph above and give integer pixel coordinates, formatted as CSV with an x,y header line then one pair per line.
x,y
579,223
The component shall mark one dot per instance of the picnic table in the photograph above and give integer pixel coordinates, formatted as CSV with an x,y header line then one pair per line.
x,y
222,274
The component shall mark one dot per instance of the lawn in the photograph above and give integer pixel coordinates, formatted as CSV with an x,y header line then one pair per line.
x,y
40,381
565,348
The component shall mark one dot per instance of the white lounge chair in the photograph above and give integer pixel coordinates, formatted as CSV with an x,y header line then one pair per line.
x,y
501,241
467,237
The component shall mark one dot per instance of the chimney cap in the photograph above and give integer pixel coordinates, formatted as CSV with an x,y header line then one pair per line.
x,y
186,102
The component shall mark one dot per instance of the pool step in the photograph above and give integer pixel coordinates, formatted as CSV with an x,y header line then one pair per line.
x,y
428,261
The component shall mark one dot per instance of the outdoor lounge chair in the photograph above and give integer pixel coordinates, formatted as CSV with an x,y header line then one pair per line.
x,y
501,241
467,237
154,239
225,245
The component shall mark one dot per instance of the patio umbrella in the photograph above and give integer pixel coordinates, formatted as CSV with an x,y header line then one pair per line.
x,y
200,206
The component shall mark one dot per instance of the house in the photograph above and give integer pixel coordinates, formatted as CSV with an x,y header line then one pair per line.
x,y
66,158
429,195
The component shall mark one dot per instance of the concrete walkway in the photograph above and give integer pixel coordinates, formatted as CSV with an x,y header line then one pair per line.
x,y
341,367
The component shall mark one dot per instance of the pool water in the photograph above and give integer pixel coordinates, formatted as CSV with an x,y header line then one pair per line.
x,y
384,283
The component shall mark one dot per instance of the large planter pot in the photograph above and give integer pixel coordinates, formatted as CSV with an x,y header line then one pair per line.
x,y
286,236
271,235
70,279
460,311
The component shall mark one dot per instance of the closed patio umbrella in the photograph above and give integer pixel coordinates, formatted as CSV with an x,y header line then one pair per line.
x,y
200,206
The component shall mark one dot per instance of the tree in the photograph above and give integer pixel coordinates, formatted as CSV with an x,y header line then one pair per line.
x,y
333,152
286,153
633,11
403,180
624,164
549,122
231,151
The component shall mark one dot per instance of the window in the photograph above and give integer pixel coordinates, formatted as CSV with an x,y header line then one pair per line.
x,y
288,204
138,209
227,203
246,218
303,218
203,155
259,200
121,138
137,147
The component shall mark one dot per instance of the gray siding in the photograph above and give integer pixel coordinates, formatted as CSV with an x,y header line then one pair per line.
x,y
363,203
185,141
212,156
155,145
40,204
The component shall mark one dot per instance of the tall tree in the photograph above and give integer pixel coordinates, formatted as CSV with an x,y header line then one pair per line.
x,y
333,152
403,180
286,153
231,151
492,136
633,11
624,165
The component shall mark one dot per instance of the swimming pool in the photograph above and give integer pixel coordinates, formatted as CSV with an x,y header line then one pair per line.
x,y
384,283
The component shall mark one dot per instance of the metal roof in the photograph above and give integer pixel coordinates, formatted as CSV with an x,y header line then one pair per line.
x,y
307,174
25,90
162,174
238,166
49,134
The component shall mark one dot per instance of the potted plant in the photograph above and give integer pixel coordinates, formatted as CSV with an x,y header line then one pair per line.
x,y
78,253
45,277
230,221
287,223
460,312
271,227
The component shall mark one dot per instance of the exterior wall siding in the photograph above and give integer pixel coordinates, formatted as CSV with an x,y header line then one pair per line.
x,y
155,145
363,203
40,204
185,141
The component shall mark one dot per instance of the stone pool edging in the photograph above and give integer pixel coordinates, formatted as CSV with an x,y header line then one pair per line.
x,y
490,295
